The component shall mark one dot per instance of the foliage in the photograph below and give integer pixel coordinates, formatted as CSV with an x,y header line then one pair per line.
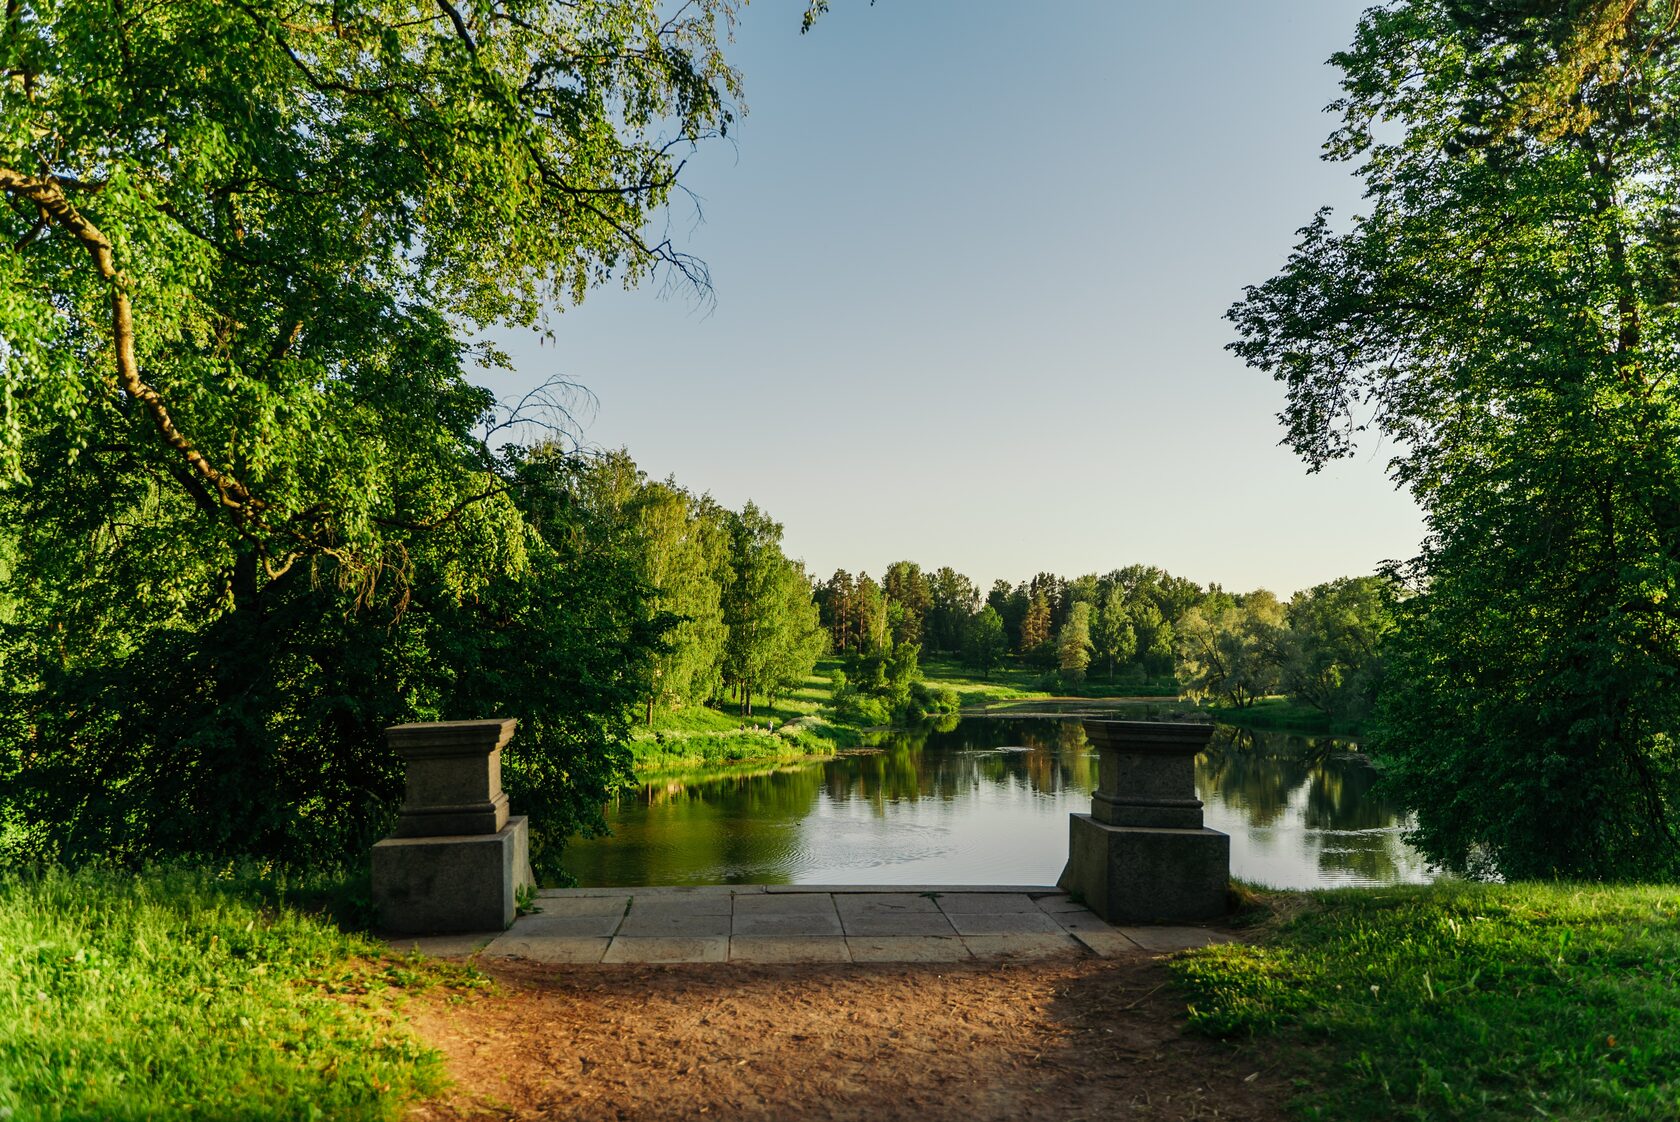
x,y
1232,655
184,992
1073,643
1460,1001
1330,653
254,507
985,641
1506,311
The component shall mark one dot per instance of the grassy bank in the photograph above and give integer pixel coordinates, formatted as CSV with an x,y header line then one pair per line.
x,y
1283,714
798,726
184,994
1014,682
1460,1001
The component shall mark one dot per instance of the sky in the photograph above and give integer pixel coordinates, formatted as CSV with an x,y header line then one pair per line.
x,y
970,262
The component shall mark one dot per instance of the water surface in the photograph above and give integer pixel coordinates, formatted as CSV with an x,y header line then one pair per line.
x,y
985,800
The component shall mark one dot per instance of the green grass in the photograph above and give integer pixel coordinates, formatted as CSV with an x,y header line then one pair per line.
x,y
1283,714
184,994
1459,1001
1014,682
797,727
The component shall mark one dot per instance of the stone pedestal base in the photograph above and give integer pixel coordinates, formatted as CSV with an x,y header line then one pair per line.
x,y
461,882
1139,873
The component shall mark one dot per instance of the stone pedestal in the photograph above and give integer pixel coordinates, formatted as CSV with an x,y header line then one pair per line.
x,y
456,858
1142,853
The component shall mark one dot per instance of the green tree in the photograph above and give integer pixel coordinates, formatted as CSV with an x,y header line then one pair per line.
x,y
246,246
1505,310
1035,629
1232,655
986,642
1113,638
685,541
1073,642
1331,650
953,601
905,586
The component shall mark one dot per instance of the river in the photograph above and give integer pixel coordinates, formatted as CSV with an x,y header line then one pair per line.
x,y
985,800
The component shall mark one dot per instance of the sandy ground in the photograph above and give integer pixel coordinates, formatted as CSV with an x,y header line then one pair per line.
x,y
1062,1039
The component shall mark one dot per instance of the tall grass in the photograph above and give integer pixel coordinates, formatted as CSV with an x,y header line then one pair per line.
x,y
1458,1001
181,993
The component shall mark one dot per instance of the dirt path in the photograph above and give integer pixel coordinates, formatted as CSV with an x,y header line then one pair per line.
x,y
1060,1039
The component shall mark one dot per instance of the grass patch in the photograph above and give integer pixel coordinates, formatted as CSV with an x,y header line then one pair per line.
x,y
798,726
179,993
1456,1001
1282,714
1013,682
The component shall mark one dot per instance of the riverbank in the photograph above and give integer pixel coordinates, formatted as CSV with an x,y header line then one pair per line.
x,y
201,994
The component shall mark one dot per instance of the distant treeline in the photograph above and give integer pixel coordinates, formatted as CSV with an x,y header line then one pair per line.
x,y
1140,623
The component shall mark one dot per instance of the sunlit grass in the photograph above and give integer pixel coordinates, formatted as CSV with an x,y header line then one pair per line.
x,y
1458,1001
179,994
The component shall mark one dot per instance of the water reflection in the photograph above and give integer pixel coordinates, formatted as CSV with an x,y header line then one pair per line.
x,y
985,800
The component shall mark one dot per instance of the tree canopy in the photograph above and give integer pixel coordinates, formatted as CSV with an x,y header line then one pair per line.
x,y
1505,311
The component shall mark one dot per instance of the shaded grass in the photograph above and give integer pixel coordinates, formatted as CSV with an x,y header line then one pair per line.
x,y
179,993
1285,715
1014,682
1457,1001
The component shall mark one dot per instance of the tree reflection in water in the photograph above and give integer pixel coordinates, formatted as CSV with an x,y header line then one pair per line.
x,y
985,800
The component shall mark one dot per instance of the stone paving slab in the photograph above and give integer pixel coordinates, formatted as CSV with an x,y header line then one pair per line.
x,y
797,923
651,923
953,903
838,890
1004,923
1105,944
814,923
583,905
1163,940
907,948
763,948
682,905
1022,946
544,926
629,949
784,903
886,903
551,949
908,923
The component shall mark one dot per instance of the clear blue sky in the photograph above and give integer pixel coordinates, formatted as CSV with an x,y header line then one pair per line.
x,y
970,264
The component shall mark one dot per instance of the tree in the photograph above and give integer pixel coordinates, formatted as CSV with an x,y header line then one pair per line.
x,y
907,587
1035,628
953,600
1331,651
1113,638
986,642
1505,312
1073,642
246,247
1231,655
685,542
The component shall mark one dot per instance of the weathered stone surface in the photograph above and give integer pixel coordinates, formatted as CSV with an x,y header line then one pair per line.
x,y
437,885
553,905
1022,946
1058,904
805,903
661,922
1146,772
799,923
1164,940
907,948
1004,923
647,903
951,903
664,949
551,950
886,903
544,925
913,923
1128,873
1106,944
452,777
758,948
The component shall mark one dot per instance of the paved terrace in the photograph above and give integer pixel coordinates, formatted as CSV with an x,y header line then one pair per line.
x,y
800,923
